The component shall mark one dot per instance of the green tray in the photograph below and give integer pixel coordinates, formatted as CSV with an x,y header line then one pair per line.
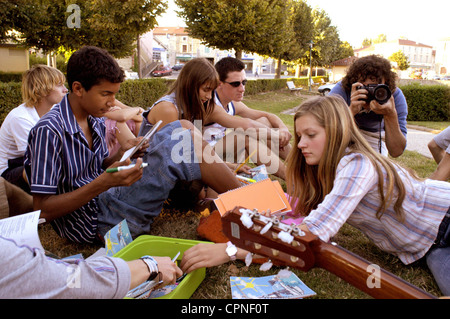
x,y
164,246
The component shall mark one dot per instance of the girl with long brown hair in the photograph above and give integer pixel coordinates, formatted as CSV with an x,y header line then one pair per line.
x,y
336,177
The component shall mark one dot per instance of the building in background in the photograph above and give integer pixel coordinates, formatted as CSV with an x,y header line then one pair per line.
x,y
13,58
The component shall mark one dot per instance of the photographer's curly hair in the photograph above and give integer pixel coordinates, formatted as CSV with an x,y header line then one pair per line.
x,y
372,66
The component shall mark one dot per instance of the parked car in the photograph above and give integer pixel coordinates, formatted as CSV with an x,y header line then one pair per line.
x,y
131,75
177,67
162,72
436,77
446,78
326,88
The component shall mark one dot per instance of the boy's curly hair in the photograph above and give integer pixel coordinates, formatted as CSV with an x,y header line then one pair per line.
x,y
372,66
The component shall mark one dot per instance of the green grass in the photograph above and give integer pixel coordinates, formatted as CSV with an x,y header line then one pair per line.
x,y
177,224
437,126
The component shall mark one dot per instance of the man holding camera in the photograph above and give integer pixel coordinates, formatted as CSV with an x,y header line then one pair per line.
x,y
379,106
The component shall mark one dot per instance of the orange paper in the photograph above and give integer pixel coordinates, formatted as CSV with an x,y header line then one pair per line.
x,y
262,195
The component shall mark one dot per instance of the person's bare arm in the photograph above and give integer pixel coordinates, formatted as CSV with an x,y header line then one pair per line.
x,y
55,206
442,172
272,120
163,111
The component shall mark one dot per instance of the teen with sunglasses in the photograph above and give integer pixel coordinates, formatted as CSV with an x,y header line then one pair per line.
x,y
228,103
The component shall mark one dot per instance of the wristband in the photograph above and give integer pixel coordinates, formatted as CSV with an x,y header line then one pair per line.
x,y
152,266
231,251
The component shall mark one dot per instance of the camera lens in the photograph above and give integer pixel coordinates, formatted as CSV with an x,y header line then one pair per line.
x,y
382,93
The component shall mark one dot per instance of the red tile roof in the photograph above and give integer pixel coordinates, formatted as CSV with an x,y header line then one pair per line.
x,y
344,62
169,30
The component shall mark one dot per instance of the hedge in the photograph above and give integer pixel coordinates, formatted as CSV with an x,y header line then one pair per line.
x,y
425,102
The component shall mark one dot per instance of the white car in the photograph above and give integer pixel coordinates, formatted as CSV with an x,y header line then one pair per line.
x,y
326,88
131,75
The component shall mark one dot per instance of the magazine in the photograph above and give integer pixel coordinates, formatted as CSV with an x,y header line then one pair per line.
x,y
117,237
269,287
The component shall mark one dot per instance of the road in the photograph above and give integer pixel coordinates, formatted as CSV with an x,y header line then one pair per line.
x,y
417,140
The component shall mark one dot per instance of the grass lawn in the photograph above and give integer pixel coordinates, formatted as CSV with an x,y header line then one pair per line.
x,y
172,223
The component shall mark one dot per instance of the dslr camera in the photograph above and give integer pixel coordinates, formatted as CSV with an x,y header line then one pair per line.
x,y
378,92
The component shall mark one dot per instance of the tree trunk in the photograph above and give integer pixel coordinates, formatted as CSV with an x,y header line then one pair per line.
x,y
138,49
278,69
239,54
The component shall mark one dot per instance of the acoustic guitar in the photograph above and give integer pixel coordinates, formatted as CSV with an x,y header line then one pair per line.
x,y
290,246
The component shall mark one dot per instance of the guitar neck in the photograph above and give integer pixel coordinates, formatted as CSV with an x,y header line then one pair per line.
x,y
369,278
306,251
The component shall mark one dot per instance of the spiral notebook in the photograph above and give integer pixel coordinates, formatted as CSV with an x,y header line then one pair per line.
x,y
263,195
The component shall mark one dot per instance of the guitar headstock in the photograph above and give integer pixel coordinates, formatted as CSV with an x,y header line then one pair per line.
x,y
267,236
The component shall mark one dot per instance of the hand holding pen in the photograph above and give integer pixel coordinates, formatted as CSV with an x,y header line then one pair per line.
x,y
122,168
124,175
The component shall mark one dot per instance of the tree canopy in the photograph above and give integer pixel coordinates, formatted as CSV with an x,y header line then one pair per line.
x,y
401,59
113,25
242,25
279,29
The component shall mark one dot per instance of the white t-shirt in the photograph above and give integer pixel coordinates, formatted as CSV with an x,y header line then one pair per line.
x,y
14,133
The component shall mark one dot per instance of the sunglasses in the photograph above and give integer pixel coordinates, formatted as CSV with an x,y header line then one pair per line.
x,y
235,84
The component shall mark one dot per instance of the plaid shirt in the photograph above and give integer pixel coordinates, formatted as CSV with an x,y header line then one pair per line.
x,y
355,199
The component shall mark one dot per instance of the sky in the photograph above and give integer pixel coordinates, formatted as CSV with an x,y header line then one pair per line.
x,y
424,21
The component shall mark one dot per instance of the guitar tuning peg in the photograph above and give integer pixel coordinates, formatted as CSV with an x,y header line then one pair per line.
x,y
284,273
266,266
248,259
266,228
246,218
298,231
285,236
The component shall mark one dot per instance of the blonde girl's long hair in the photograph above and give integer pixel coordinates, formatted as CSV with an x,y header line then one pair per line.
x,y
193,75
311,183
38,82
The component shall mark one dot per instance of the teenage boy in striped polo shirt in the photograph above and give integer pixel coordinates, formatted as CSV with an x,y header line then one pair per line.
x,y
67,156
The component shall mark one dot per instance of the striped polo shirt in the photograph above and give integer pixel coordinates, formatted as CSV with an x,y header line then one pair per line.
x,y
354,199
58,160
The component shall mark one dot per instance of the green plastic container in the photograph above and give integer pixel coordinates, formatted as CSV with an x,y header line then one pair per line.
x,y
166,247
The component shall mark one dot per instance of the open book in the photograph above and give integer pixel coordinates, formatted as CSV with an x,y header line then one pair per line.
x,y
23,229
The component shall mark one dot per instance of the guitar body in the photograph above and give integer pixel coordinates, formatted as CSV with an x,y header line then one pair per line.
x,y
302,250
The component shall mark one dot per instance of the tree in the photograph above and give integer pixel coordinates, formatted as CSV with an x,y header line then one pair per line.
x,y
366,42
242,25
303,30
401,59
113,25
344,51
280,43
380,39
325,38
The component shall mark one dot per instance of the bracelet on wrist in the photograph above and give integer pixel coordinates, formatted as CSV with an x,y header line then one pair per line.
x,y
152,266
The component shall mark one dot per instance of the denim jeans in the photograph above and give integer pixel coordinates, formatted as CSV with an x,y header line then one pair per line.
x,y
438,257
142,201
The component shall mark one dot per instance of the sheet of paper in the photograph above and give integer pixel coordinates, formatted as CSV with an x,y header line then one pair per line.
x,y
23,229
147,137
